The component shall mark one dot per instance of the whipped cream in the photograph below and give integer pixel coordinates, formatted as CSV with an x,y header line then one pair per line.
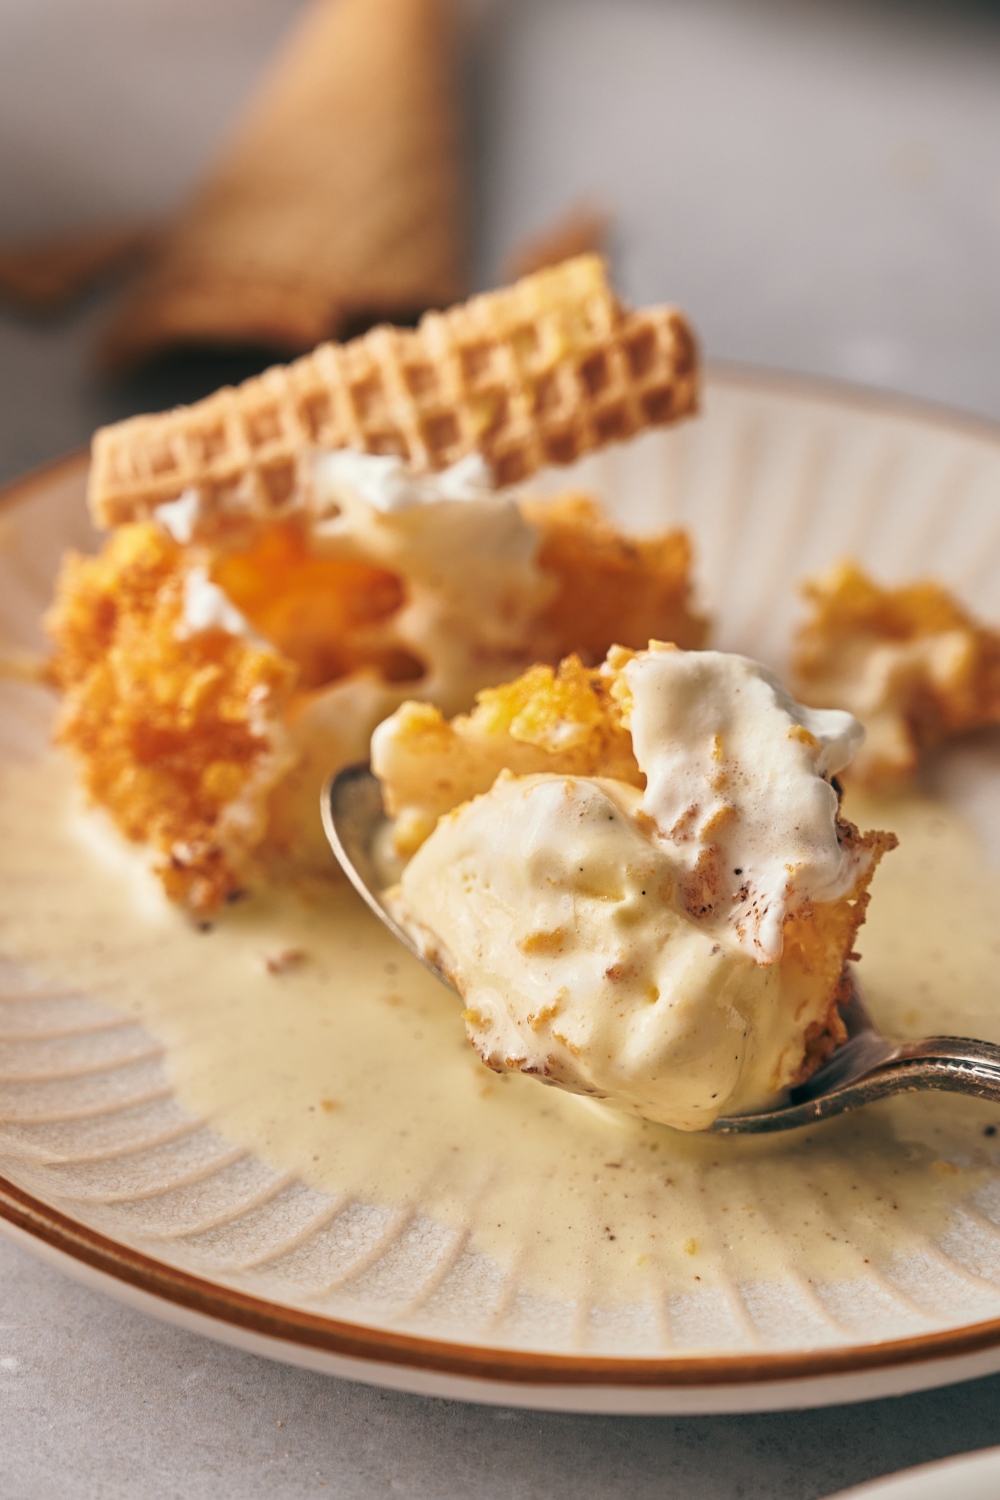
x,y
386,482
467,558
465,552
738,788
179,518
207,607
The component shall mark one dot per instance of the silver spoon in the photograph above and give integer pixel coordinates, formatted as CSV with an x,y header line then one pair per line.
x,y
867,1066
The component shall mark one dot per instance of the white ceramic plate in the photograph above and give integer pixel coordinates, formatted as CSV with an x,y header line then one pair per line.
x,y
776,480
971,1476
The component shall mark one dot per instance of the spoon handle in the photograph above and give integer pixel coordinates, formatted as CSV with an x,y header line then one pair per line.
x,y
957,1065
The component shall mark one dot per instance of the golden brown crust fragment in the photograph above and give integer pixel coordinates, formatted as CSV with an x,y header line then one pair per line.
x,y
613,589
538,373
338,198
819,942
178,736
562,721
909,662
568,721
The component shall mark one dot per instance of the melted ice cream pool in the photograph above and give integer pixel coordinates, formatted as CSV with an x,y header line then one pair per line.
x,y
352,1071
626,944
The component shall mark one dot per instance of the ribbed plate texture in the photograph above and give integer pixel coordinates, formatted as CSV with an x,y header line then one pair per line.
x,y
774,482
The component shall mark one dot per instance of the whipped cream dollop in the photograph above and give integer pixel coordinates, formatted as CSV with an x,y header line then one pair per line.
x,y
386,482
627,943
179,518
207,607
467,559
738,789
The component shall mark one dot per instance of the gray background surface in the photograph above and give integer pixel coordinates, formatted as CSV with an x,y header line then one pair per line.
x,y
819,184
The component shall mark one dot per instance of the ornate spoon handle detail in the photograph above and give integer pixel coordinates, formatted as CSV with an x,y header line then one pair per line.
x,y
956,1065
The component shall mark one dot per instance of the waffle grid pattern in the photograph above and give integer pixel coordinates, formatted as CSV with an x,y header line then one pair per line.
x,y
537,374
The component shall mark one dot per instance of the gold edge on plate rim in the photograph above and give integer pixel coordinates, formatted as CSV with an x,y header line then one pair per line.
x,y
514,1366
362,1341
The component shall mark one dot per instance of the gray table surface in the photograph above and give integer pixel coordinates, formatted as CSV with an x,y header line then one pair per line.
x,y
819,184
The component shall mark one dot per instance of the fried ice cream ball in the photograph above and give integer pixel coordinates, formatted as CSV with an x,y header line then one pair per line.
x,y
909,662
528,822
186,722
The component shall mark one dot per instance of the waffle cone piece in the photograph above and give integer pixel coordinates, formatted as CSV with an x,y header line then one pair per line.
x,y
537,373
46,275
336,201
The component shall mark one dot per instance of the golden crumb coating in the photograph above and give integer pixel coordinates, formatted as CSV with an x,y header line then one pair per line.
x,y
565,721
909,662
818,942
182,736
612,588
178,736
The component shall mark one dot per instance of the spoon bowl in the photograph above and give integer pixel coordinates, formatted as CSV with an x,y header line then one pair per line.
x,y
865,1067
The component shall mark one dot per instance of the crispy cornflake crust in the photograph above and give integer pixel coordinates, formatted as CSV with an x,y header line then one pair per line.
x,y
537,373
133,685
612,588
564,721
180,738
571,722
819,943
910,662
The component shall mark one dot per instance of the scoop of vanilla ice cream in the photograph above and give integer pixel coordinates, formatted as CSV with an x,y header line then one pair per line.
x,y
554,906
625,943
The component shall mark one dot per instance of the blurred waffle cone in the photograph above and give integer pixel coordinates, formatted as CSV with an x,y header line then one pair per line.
x,y
47,274
336,203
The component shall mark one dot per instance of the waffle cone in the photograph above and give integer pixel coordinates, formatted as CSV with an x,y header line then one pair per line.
x,y
47,274
336,201
537,373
